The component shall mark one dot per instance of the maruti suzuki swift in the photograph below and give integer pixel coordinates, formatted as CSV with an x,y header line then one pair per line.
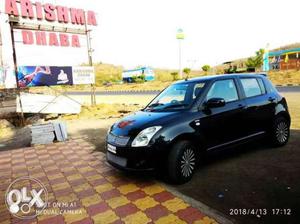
x,y
192,117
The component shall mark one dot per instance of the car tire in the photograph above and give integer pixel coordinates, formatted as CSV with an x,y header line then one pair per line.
x,y
280,132
181,162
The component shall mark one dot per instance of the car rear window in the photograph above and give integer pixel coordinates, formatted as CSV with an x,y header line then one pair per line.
x,y
251,87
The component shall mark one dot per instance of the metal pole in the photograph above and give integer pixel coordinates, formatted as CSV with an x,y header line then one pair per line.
x,y
1,59
16,71
180,68
88,38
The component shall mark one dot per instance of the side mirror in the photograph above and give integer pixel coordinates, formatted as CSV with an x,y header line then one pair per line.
x,y
215,102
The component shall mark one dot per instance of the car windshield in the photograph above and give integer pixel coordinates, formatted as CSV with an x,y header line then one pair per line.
x,y
176,97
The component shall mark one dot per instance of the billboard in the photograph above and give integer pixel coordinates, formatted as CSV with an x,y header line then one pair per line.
x,y
31,76
83,75
7,78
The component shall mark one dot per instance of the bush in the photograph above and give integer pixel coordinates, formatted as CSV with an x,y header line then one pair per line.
x,y
139,79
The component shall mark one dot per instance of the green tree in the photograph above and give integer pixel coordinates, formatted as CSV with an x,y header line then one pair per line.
x,y
255,62
206,68
175,75
187,71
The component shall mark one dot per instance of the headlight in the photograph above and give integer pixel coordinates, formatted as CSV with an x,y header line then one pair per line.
x,y
144,137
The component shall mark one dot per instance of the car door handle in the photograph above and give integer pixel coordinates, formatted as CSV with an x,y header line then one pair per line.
x,y
271,99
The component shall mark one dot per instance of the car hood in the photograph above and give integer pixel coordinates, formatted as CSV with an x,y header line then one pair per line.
x,y
132,124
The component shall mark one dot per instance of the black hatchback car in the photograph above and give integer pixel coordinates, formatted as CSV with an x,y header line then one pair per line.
x,y
194,116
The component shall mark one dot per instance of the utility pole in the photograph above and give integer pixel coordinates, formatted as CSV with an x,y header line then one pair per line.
x,y
180,38
90,58
11,23
1,59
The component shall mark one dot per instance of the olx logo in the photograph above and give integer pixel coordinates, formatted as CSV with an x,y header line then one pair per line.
x,y
26,197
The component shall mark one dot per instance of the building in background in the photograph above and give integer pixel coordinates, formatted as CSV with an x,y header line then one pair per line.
x,y
145,73
284,59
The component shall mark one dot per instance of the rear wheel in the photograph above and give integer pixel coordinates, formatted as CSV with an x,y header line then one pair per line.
x,y
181,162
281,132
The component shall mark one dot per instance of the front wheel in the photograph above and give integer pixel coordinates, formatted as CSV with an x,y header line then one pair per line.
x,y
181,162
280,132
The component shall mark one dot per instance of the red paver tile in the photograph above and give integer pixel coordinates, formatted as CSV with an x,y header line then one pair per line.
x,y
57,180
84,221
89,173
110,194
118,222
98,182
86,193
63,192
156,212
97,208
190,214
77,182
163,196
133,196
126,210
56,219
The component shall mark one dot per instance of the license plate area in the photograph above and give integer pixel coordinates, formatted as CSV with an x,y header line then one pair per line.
x,y
117,160
111,148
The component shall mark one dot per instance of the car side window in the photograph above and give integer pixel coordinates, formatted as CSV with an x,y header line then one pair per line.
x,y
197,89
225,89
262,86
251,87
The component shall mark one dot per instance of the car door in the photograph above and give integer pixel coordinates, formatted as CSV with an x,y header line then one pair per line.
x,y
223,125
260,105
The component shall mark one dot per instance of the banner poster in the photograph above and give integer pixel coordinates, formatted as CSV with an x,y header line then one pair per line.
x,y
30,76
83,75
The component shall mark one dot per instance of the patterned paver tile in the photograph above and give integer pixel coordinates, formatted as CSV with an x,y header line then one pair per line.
x,y
74,173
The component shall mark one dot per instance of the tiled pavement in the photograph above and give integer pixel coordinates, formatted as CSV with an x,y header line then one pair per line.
x,y
74,172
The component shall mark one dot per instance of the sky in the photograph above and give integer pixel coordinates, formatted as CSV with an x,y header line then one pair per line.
x,y
143,32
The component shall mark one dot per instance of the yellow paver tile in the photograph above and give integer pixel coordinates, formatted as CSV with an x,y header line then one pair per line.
x,y
85,169
105,217
69,198
103,187
112,178
125,189
74,217
55,176
91,200
206,220
74,177
60,186
153,189
145,203
82,187
94,177
175,204
136,218
170,219
117,202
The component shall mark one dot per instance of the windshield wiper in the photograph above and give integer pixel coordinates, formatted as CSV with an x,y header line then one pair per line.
x,y
175,105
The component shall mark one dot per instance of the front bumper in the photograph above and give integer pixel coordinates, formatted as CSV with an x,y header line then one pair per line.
x,y
131,158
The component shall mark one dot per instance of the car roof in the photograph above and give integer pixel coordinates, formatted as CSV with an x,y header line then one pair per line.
x,y
221,76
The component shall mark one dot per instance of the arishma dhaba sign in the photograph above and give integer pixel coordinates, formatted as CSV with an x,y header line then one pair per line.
x,y
50,13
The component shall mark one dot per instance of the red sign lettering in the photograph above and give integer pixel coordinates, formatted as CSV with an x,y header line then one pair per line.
x,y
43,38
50,12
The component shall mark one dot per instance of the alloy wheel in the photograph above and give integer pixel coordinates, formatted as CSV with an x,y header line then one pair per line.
x,y
187,162
282,132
